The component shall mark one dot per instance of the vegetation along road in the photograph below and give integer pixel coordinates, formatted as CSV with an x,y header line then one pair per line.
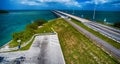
x,y
110,32
104,45
76,47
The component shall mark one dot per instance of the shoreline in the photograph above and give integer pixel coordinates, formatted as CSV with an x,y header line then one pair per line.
x,y
6,44
20,31
24,43
71,43
24,21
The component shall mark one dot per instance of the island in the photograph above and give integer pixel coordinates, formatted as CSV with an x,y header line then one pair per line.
x,y
3,11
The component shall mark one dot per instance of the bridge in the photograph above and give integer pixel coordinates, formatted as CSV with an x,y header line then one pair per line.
x,y
110,32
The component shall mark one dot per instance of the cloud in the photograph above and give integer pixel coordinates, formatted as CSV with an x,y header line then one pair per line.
x,y
29,2
116,5
96,2
88,2
100,1
67,3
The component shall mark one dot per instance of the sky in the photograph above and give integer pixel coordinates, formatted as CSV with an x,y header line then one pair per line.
x,y
112,5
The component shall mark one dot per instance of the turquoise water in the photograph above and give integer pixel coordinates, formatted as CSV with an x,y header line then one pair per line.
x,y
16,21
101,16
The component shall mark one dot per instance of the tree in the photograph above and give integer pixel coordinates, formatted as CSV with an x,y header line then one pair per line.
x,y
31,26
3,11
18,35
29,32
117,24
39,22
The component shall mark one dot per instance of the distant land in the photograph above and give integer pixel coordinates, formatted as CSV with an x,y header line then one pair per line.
x,y
3,11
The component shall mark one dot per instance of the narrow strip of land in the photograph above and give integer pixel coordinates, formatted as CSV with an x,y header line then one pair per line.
x,y
104,45
110,32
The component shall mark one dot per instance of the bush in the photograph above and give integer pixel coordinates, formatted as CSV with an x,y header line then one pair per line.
x,y
31,27
29,32
23,36
40,22
35,25
117,24
3,11
17,35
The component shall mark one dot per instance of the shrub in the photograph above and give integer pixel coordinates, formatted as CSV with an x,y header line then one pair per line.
x,y
29,32
117,24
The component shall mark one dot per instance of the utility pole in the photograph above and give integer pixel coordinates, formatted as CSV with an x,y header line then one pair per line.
x,y
94,13
73,11
82,13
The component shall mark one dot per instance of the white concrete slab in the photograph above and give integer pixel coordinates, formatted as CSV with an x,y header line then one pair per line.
x,y
44,50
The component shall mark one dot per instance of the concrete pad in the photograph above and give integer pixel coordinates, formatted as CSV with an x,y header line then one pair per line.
x,y
44,50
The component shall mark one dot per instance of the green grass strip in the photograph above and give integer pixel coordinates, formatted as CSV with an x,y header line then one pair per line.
x,y
110,41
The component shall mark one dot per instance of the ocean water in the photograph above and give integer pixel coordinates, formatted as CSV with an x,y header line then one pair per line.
x,y
16,21
100,16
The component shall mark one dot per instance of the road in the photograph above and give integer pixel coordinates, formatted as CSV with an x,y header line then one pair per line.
x,y
110,32
99,42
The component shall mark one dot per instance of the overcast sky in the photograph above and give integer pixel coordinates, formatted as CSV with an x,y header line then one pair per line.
x,y
60,4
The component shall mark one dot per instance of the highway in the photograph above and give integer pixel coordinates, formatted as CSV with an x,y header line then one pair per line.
x,y
110,32
99,42
105,31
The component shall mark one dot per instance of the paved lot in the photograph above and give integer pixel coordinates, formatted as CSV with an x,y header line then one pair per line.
x,y
44,50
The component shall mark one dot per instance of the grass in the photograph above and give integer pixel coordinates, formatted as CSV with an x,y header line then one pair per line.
x,y
23,48
13,44
26,34
111,25
76,47
43,29
27,46
110,41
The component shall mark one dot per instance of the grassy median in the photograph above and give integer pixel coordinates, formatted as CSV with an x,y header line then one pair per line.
x,y
76,47
110,41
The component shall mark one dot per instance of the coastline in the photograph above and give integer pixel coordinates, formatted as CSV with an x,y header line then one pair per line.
x,y
6,47
6,44
71,42
11,22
